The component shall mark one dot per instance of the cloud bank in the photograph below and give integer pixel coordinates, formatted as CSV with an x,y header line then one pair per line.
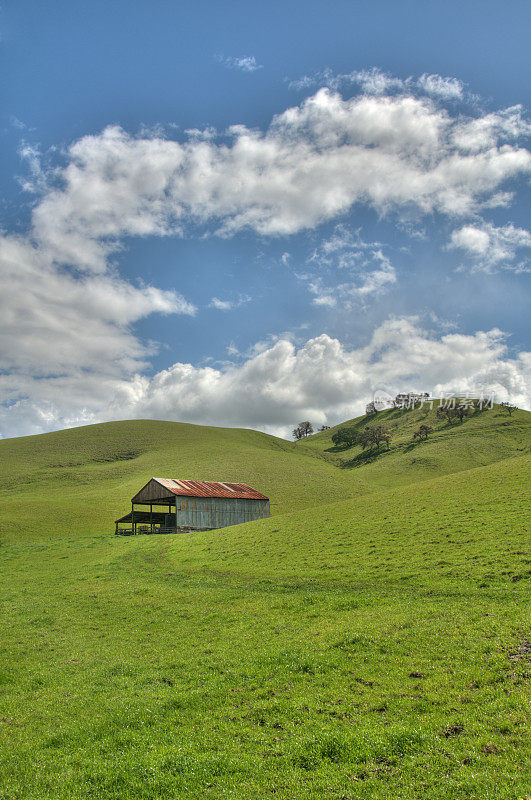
x,y
376,81
272,389
314,163
68,350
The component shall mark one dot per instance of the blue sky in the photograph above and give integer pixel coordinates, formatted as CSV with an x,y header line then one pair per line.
x,y
244,214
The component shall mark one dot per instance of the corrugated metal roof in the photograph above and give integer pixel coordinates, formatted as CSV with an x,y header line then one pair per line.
x,y
237,491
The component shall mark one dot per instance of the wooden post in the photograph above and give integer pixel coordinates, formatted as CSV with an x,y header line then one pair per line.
x,y
133,518
151,516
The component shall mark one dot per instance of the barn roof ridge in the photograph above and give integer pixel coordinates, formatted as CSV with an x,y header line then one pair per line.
x,y
192,488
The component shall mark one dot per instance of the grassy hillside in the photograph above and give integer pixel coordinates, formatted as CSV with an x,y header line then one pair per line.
x,y
77,481
373,646
482,438
389,536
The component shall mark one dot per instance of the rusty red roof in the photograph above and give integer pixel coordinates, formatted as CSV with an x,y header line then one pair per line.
x,y
237,491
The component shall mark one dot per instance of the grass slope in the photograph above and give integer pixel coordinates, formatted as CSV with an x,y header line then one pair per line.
x,y
482,438
79,481
372,647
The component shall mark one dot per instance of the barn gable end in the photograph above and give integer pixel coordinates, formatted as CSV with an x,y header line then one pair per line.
x,y
152,492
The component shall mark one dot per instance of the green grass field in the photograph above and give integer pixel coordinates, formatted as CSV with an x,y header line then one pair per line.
x,y
372,639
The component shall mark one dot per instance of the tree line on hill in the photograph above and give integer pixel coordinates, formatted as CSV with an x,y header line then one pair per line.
x,y
402,400
305,429
408,400
367,438
377,435
374,436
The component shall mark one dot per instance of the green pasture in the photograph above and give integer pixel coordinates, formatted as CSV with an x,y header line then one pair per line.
x,y
372,639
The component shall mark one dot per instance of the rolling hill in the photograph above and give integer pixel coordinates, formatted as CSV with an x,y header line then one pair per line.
x,y
481,439
372,639
77,481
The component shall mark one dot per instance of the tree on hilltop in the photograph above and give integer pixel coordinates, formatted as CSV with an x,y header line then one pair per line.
x,y
464,409
446,412
451,411
509,408
345,437
373,437
302,430
423,432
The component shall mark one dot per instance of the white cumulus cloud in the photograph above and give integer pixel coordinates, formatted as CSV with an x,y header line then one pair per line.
x,y
315,162
346,270
229,305
55,321
376,81
243,63
490,247
321,380
445,88
68,350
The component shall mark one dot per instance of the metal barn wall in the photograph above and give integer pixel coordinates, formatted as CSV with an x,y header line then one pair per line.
x,y
217,512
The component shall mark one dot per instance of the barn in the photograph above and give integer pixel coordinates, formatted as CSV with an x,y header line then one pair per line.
x,y
171,505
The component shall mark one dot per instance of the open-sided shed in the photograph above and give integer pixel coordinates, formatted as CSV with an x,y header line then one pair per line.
x,y
171,504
